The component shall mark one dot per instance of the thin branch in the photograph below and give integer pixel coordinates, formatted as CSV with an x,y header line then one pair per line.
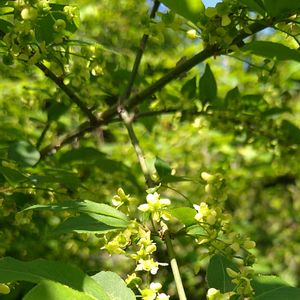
x,y
139,55
73,97
127,119
42,136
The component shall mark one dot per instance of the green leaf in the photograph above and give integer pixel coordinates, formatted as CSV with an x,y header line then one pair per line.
x,y
189,9
162,168
50,290
91,223
273,288
207,86
38,270
86,154
23,153
272,50
217,276
196,230
85,206
278,7
95,217
232,97
185,215
290,132
255,5
56,110
189,88
114,286
44,30
164,171
5,26
13,176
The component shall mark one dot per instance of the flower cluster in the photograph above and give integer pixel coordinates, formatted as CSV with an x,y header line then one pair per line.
x,y
242,280
136,243
156,206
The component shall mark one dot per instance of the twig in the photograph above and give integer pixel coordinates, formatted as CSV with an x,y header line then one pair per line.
x,y
42,136
73,97
127,119
139,55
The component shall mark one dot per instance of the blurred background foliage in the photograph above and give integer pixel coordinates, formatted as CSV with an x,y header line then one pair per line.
x,y
250,134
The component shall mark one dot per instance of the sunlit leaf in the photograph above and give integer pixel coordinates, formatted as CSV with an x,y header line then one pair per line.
x,y
51,290
190,9
114,286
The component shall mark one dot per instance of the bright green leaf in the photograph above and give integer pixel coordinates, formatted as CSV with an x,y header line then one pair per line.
x,y
50,290
189,9
207,86
196,230
272,50
217,276
186,215
114,286
38,270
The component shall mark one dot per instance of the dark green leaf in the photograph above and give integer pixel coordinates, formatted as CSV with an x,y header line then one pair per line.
x,y
278,7
51,290
273,288
255,5
207,86
190,9
38,270
23,153
217,276
232,97
114,286
56,110
189,88
5,26
162,168
290,132
272,50
13,176
186,215
84,154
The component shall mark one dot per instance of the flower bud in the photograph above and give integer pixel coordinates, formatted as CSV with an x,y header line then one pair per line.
x,y
4,289
209,178
231,273
249,244
191,34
